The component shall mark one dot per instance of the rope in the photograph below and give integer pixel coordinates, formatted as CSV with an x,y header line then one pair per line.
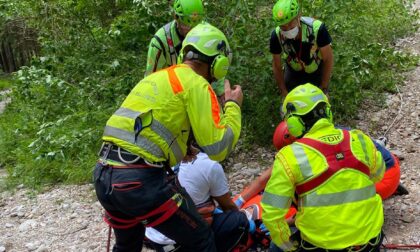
x,y
108,243
400,246
399,112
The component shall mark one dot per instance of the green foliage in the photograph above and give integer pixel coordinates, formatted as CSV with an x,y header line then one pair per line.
x,y
366,64
94,52
5,82
92,56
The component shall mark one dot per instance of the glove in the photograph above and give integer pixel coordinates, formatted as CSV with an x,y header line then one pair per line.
x,y
252,226
217,211
239,201
264,229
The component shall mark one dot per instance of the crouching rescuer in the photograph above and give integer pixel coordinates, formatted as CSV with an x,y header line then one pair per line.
x,y
333,173
149,133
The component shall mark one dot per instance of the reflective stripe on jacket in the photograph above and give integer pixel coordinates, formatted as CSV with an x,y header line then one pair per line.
x,y
156,118
162,48
309,28
342,212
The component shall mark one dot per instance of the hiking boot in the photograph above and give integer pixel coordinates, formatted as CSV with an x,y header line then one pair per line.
x,y
401,190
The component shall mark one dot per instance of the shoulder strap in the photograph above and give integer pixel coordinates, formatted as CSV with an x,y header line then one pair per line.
x,y
309,22
285,47
339,156
170,42
162,46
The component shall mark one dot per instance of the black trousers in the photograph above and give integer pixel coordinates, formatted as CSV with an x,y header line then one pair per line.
x,y
230,229
293,79
129,193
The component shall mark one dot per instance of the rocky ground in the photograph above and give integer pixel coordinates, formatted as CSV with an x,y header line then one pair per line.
x,y
68,218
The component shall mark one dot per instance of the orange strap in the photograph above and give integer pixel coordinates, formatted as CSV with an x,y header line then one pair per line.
x,y
215,109
177,88
173,79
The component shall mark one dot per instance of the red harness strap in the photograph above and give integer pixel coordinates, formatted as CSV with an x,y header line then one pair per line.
x,y
167,209
339,156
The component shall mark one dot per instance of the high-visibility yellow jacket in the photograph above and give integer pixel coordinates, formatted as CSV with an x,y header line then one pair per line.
x,y
341,212
156,118
163,48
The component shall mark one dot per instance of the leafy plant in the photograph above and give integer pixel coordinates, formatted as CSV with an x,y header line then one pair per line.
x,y
93,53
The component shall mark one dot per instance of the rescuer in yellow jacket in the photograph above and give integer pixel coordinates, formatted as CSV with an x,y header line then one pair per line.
x,y
151,131
332,172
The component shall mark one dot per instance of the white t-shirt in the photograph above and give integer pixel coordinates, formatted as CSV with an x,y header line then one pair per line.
x,y
201,178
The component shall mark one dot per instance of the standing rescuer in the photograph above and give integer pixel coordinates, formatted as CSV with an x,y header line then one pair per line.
x,y
149,133
306,44
166,44
333,172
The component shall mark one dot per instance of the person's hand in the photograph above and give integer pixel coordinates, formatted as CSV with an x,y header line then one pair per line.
x,y
221,99
239,202
252,226
291,221
234,94
264,229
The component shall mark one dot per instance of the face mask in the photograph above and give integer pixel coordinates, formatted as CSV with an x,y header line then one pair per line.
x,y
292,33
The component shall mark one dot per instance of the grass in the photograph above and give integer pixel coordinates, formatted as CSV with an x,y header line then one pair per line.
x,y
5,82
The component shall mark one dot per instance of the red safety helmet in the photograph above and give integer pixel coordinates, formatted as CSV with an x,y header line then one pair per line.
x,y
281,136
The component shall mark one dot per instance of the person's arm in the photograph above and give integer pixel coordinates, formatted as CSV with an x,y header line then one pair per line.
x,y
324,41
257,185
378,166
327,66
386,155
276,202
278,74
276,51
215,132
372,156
155,57
226,203
219,187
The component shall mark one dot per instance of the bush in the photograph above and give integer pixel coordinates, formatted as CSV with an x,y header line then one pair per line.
x,y
92,55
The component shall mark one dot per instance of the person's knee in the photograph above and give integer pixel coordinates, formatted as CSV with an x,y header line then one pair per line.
x,y
242,220
230,222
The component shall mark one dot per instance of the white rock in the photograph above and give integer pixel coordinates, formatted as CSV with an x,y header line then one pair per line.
x,y
31,246
42,248
237,166
26,225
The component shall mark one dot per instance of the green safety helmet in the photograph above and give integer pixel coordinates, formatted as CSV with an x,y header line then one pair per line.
x,y
189,12
212,47
285,11
299,102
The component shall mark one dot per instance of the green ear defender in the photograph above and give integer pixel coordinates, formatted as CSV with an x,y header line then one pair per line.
x,y
329,114
295,125
219,67
211,43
